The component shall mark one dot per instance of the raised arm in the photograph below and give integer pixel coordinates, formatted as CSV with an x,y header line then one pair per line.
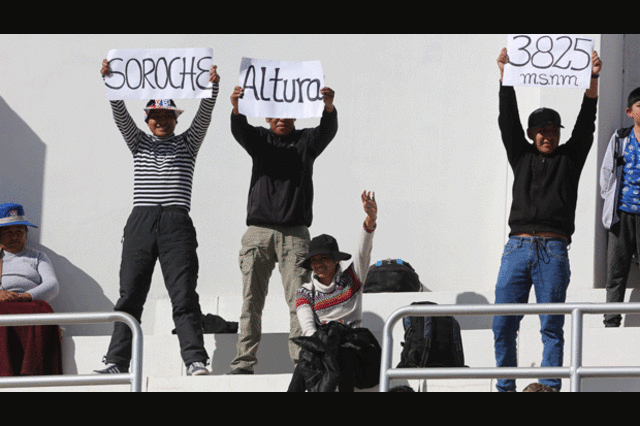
x,y
596,67
513,136
370,208
202,119
363,257
130,132
503,59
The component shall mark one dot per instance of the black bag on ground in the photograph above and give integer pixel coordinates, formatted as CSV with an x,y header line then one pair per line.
x,y
391,276
321,359
431,342
214,324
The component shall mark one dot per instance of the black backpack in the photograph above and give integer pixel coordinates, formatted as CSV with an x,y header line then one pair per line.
x,y
391,276
431,342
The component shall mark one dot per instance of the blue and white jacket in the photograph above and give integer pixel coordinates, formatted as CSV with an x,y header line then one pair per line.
x,y
611,176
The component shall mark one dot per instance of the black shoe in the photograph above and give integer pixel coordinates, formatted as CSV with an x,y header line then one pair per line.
x,y
612,322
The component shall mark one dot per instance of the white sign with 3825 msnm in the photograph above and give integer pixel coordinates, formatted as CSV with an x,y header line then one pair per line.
x,y
548,60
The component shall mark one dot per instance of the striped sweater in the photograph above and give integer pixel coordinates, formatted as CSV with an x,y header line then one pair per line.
x,y
341,300
163,167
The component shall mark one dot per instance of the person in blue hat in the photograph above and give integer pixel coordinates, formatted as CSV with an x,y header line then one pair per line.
x,y
25,274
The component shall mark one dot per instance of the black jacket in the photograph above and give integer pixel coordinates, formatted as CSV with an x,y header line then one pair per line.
x,y
545,187
281,191
332,349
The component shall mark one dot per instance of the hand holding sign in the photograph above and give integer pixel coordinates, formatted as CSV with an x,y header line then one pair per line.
x,y
214,77
327,95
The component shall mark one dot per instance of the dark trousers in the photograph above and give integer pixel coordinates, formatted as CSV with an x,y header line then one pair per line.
x,y
167,234
624,241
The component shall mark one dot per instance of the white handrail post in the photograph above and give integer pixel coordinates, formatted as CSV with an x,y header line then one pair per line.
x,y
387,347
576,348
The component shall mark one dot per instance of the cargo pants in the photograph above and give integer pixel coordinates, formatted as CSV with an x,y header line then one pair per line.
x,y
262,248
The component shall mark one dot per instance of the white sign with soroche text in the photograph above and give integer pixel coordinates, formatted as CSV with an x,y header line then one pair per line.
x,y
159,73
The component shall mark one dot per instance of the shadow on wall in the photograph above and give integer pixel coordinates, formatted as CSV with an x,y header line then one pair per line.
x,y
22,160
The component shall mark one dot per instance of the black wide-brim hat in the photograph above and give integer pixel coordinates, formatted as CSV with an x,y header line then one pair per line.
x,y
323,244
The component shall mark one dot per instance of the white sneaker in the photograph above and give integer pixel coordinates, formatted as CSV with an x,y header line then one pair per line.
x,y
111,369
197,369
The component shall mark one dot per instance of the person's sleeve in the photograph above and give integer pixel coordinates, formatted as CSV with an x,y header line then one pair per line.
x,y
49,288
130,132
198,129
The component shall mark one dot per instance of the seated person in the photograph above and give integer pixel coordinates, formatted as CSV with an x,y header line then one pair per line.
x,y
335,294
26,274
27,283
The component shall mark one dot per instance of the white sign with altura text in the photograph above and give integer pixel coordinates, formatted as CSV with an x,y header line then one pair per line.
x,y
281,89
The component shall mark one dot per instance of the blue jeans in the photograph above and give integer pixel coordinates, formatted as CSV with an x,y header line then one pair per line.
x,y
543,263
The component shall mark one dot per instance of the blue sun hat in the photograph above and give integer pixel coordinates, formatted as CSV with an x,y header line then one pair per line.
x,y
13,214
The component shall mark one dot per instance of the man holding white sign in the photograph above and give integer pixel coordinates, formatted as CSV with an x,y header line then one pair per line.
x,y
279,211
159,227
542,219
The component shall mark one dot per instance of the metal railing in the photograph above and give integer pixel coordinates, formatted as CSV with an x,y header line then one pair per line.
x,y
575,371
134,377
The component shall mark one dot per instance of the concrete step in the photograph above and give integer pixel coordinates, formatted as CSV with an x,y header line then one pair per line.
x,y
376,309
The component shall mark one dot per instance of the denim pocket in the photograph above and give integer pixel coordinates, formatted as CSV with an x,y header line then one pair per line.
x,y
558,249
511,245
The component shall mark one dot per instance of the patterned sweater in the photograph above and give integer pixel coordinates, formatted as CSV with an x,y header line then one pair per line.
x,y
342,299
163,167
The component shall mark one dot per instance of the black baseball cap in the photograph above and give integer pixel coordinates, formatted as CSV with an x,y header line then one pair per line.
x,y
543,116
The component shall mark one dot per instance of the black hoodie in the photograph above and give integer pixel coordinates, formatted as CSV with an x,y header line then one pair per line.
x,y
281,190
545,187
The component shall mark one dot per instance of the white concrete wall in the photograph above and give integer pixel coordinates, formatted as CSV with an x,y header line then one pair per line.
x,y
418,124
